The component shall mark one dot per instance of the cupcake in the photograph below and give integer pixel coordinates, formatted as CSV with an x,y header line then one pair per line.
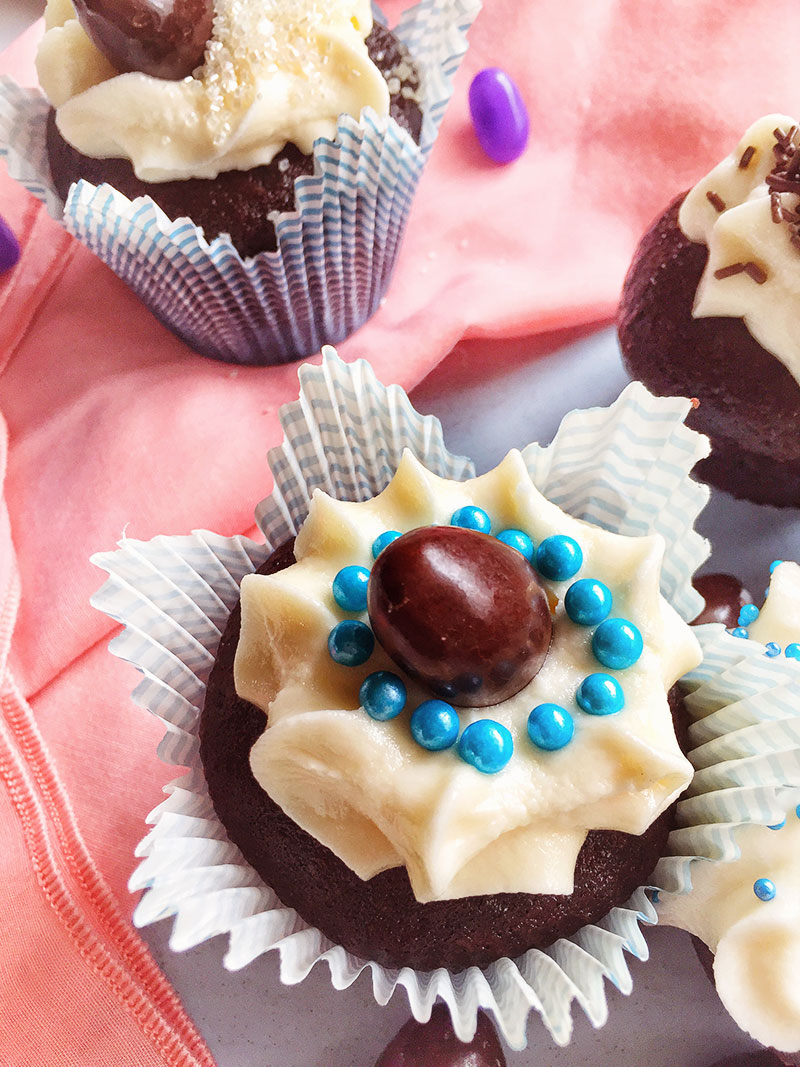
x,y
708,311
746,910
248,170
609,474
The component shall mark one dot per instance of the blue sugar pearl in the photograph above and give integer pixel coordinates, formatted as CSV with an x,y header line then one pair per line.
x,y
9,247
775,563
381,542
748,613
550,727
772,649
740,631
587,601
434,725
559,557
797,811
382,695
350,643
486,745
778,825
499,115
617,644
792,650
471,518
350,588
764,889
517,539
600,694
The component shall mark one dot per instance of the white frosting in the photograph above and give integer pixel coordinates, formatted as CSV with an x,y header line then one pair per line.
x,y
779,618
371,794
274,71
744,232
756,943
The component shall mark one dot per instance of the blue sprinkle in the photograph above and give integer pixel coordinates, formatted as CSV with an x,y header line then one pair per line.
x,y
588,601
771,649
517,539
471,518
617,644
350,588
486,745
775,563
351,643
764,889
434,725
778,825
382,695
550,727
792,650
600,694
748,613
381,542
740,631
797,811
559,557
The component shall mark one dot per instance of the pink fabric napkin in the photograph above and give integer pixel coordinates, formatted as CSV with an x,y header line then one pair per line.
x,y
110,424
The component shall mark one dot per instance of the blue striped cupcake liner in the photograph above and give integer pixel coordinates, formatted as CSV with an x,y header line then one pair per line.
x,y
336,252
625,467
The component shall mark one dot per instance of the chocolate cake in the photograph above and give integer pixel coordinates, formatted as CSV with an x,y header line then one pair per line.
x,y
238,202
380,919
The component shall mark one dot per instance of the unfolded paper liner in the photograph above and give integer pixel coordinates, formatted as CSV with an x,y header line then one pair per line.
x,y
625,467
336,251
745,737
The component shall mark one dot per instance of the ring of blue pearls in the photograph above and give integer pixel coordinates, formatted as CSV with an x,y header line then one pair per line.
x,y
485,744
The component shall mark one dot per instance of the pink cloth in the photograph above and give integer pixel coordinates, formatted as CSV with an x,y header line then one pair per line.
x,y
112,424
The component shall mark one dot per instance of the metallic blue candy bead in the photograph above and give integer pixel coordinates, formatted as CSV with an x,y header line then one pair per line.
x,y
550,727
740,631
747,613
600,694
559,557
382,695
499,115
351,643
486,745
517,539
775,563
434,725
381,542
350,588
772,649
9,247
617,644
764,889
588,601
792,650
471,518
778,825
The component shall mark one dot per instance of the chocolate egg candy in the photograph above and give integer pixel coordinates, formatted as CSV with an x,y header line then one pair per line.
x,y
724,596
166,39
460,611
434,1044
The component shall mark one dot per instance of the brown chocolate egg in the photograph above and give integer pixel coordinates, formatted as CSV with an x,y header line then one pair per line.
x,y
460,611
724,595
166,39
434,1044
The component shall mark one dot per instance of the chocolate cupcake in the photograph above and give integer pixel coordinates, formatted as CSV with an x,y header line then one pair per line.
x,y
708,310
277,150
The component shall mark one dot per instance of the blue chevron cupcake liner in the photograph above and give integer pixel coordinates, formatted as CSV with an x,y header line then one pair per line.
x,y
625,467
336,251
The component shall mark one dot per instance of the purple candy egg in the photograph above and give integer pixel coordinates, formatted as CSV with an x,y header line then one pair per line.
x,y
498,114
9,247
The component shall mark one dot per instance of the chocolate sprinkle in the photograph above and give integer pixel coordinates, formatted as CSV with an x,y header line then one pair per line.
x,y
783,178
758,274
716,201
747,155
728,272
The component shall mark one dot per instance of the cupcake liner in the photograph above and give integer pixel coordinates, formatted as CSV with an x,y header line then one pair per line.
x,y
336,251
173,595
745,738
